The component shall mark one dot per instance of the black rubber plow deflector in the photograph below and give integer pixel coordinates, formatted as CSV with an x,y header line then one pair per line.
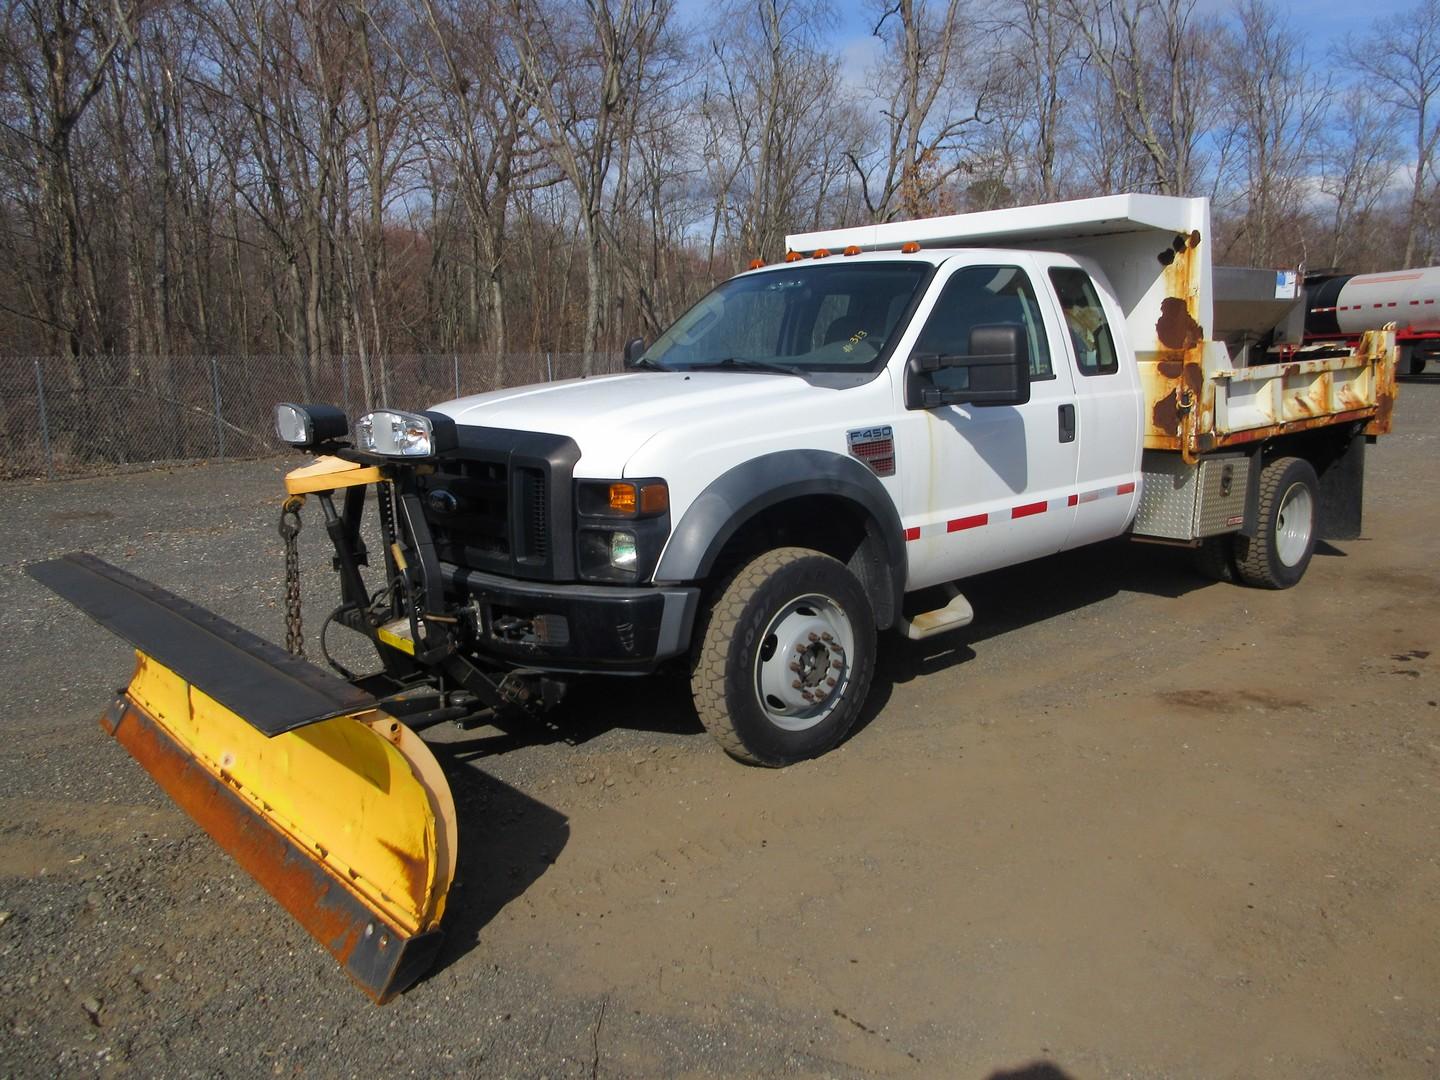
x,y
263,684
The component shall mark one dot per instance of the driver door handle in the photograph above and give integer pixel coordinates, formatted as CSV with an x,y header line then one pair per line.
x,y
1067,423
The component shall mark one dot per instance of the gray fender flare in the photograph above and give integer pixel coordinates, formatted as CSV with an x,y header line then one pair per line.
x,y
738,495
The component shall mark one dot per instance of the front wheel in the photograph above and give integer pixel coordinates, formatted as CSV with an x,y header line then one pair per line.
x,y
1285,531
786,656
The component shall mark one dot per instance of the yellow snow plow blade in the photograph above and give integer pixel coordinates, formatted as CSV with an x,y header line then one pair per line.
x,y
339,810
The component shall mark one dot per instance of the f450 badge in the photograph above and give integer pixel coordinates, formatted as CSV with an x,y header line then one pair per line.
x,y
874,447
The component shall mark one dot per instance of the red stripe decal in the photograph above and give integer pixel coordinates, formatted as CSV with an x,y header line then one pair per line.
x,y
1028,509
1073,500
974,521
1124,489
912,534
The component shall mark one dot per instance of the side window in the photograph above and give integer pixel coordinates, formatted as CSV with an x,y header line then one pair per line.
x,y
983,296
1085,319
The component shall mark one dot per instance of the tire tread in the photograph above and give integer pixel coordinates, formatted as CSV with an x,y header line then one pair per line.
x,y
717,637
1252,556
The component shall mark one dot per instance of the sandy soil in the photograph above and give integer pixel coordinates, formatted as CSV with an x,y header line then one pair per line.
x,y
1129,823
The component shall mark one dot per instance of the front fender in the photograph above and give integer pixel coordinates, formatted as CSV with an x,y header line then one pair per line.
x,y
738,495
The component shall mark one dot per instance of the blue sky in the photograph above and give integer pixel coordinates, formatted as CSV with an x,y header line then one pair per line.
x,y
1327,24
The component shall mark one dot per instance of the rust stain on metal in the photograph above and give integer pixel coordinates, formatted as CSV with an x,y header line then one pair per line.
x,y
1176,328
1171,366
1165,416
331,914
1237,438
416,872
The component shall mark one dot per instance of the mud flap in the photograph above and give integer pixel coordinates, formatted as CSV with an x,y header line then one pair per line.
x,y
336,808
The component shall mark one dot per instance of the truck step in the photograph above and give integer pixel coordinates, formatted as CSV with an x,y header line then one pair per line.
x,y
928,624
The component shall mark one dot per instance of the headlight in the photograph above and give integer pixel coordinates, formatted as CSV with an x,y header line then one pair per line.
x,y
622,528
622,550
306,425
404,434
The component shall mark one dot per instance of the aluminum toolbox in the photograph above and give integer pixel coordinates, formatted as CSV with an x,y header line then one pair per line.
x,y
1188,502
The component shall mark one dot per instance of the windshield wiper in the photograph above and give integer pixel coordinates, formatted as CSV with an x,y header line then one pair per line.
x,y
737,363
646,363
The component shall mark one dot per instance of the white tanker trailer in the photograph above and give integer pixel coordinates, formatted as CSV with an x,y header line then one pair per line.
x,y
1344,306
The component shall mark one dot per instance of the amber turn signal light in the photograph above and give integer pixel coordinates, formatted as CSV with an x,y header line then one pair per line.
x,y
622,498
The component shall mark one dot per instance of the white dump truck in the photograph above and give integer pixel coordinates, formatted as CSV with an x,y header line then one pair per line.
x,y
890,410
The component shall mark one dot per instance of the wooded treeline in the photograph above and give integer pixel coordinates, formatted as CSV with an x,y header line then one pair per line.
x,y
374,177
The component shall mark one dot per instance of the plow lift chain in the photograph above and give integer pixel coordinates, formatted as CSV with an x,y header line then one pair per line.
x,y
290,534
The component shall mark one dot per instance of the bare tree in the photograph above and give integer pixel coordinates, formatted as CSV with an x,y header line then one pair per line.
x,y
1154,58
928,106
1273,115
1401,58
767,108
585,72
1360,158
57,55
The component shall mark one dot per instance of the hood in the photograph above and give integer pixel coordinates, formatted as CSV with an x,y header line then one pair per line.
x,y
612,416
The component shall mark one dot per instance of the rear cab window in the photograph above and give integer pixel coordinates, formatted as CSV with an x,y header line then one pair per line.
x,y
1085,321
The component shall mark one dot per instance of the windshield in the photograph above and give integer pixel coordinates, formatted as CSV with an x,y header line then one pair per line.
x,y
796,320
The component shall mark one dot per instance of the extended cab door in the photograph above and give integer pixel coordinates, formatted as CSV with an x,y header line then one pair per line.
x,y
988,486
1107,401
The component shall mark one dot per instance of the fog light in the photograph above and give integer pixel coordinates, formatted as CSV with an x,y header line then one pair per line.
x,y
306,425
622,550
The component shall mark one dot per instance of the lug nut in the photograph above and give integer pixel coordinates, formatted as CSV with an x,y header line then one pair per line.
x,y
797,684
814,636
827,637
836,664
795,665
829,682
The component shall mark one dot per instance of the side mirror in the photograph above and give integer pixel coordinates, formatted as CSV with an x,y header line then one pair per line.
x,y
996,371
634,349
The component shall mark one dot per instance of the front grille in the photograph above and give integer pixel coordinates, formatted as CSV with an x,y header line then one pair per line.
x,y
534,532
501,503
467,504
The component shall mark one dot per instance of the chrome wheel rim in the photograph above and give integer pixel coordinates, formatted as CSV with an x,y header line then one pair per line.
x,y
802,667
1294,523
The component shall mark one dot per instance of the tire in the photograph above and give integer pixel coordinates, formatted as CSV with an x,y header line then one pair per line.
x,y
1417,363
1285,534
1214,559
789,602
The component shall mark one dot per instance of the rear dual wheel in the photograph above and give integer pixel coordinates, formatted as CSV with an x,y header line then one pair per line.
x,y
1289,506
786,656
1286,521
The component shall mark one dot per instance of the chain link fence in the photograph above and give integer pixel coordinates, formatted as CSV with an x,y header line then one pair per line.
x,y
65,418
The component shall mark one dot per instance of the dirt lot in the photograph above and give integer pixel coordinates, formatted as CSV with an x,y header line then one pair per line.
x,y
1129,823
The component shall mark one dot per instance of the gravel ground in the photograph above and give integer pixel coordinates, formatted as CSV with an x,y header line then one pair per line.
x,y
1128,823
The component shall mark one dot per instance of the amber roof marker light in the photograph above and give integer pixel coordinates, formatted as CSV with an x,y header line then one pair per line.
x,y
909,247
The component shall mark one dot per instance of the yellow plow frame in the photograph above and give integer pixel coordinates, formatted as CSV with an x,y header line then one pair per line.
x,y
339,810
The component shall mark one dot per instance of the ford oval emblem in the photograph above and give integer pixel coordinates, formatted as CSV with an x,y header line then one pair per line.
x,y
442,501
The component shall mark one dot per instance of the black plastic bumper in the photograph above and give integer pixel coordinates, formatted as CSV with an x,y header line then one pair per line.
x,y
576,627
